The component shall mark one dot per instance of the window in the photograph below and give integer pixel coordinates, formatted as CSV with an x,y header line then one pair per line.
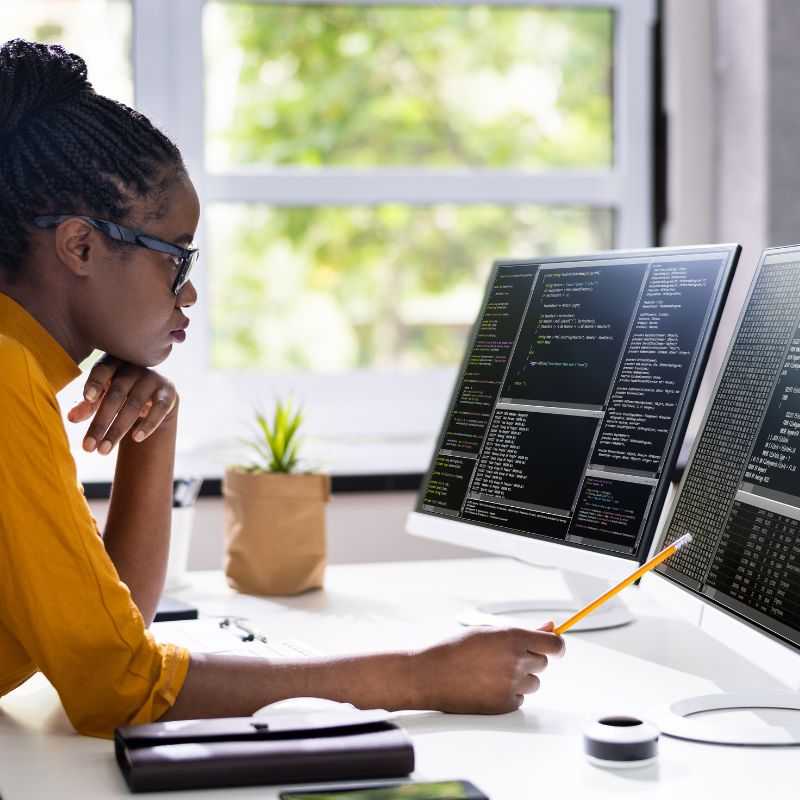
x,y
75,25
332,288
360,166
394,287
463,85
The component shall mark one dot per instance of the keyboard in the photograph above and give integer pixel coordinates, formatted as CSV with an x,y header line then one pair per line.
x,y
229,636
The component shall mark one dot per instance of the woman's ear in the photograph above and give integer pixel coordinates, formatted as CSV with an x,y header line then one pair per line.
x,y
76,245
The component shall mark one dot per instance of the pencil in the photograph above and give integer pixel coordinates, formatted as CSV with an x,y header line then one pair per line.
x,y
646,567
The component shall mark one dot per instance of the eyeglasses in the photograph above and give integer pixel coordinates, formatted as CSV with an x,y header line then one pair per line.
x,y
184,257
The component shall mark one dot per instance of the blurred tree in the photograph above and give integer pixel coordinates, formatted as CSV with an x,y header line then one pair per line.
x,y
366,86
391,286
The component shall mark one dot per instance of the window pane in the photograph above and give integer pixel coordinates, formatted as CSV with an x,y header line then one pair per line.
x,y
99,31
331,289
427,85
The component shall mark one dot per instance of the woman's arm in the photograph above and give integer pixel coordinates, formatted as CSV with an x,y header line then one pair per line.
x,y
131,403
137,529
486,671
481,671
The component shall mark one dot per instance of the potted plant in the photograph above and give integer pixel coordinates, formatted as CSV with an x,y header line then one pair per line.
x,y
274,513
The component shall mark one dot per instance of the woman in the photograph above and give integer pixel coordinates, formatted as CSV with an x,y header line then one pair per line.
x,y
97,214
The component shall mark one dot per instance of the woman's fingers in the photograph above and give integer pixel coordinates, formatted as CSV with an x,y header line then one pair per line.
x,y
97,381
545,643
534,663
529,685
122,393
162,402
100,376
82,410
119,408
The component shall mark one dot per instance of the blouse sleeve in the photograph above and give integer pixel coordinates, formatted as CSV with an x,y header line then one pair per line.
x,y
60,595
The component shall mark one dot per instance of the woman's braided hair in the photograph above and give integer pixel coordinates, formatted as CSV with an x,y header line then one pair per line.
x,y
66,149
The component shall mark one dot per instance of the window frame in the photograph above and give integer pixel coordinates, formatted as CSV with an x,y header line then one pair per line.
x,y
393,416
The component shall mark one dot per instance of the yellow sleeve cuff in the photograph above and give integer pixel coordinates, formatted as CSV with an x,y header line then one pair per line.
x,y
175,665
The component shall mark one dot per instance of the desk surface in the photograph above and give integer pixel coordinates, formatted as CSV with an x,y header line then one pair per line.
x,y
528,753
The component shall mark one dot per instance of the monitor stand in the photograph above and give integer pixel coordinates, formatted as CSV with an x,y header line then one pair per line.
x,y
533,613
679,720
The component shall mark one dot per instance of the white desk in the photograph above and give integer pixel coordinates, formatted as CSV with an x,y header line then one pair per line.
x,y
533,752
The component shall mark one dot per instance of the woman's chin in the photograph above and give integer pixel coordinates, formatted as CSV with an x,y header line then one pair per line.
x,y
160,357
152,358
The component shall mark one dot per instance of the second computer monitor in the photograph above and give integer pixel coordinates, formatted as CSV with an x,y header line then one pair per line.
x,y
571,405
739,580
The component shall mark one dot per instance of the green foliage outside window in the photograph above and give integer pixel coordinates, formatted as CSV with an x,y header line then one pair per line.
x,y
369,86
332,289
373,85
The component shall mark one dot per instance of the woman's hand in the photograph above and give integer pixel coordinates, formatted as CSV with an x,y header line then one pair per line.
x,y
487,670
122,397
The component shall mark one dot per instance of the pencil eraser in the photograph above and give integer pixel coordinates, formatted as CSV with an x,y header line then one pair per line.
x,y
620,742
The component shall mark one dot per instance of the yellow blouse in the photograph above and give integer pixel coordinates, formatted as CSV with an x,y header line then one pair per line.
x,y
63,608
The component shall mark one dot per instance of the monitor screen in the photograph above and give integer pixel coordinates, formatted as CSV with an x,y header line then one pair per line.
x,y
740,495
573,397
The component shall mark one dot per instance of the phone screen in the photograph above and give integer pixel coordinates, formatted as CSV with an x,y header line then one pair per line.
x,y
439,790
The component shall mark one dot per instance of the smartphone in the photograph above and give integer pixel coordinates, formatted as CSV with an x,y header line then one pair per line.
x,y
436,790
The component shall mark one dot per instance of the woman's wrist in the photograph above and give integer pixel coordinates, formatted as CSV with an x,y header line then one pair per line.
x,y
425,670
408,681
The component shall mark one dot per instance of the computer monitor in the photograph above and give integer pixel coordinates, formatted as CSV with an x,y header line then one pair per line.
x,y
568,413
740,499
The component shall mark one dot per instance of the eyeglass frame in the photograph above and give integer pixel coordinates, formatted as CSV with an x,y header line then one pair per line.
x,y
187,255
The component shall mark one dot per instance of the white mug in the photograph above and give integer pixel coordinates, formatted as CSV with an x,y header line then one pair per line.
x,y
180,539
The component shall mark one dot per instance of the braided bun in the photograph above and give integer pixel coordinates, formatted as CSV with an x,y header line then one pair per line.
x,y
33,78
66,149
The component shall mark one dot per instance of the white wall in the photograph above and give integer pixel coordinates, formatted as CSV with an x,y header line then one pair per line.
x,y
361,527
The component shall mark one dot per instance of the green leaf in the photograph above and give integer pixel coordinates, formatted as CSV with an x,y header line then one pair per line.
x,y
276,448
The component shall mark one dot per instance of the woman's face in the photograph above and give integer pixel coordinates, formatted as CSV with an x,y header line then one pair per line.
x,y
132,312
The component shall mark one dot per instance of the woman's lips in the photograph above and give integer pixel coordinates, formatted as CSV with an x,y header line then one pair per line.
x,y
179,334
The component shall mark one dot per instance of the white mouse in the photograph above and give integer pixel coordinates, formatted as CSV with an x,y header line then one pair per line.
x,y
303,705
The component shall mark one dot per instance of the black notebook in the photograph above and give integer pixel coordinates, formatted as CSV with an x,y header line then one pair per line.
x,y
242,751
